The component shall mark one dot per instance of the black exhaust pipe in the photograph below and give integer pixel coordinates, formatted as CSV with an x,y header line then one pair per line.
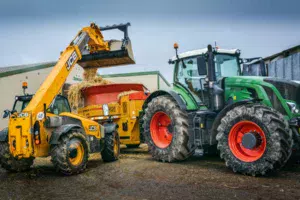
x,y
211,65
216,94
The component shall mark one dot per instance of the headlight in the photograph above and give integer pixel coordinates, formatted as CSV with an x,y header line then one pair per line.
x,y
105,109
293,107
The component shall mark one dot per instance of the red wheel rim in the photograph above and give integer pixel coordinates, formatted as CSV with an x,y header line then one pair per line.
x,y
160,133
235,141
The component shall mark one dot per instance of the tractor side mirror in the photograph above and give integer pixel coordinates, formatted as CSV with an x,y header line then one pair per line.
x,y
201,64
6,114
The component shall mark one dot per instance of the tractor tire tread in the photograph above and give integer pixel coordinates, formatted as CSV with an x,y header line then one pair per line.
x,y
59,158
278,133
11,164
178,149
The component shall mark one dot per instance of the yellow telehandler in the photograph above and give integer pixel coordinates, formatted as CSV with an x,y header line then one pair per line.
x,y
42,124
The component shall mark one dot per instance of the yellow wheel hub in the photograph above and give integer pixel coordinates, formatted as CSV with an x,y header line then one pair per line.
x,y
76,153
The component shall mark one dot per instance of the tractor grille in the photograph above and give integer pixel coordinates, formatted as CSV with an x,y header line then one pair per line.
x,y
289,90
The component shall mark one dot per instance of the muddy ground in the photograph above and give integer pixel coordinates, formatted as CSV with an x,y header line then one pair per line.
x,y
137,176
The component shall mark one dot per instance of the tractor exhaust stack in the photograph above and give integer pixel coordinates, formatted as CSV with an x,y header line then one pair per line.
x,y
216,94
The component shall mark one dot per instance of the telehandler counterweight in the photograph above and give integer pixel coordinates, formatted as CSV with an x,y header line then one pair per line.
x,y
42,124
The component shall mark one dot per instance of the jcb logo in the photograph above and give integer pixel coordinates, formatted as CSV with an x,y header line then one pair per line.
x,y
71,60
93,128
21,115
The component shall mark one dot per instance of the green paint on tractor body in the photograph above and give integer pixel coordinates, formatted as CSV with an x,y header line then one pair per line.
x,y
247,87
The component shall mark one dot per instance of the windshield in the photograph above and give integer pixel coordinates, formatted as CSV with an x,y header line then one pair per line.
x,y
186,73
226,66
20,105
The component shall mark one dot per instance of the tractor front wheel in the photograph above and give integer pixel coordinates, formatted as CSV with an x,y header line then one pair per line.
x,y
166,130
12,164
254,139
70,155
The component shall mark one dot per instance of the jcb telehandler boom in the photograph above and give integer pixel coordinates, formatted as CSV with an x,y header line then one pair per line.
x,y
44,125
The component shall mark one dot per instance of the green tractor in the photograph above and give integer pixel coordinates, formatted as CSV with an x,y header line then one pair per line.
x,y
252,122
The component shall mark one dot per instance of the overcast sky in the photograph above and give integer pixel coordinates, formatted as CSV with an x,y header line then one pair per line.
x,y
36,31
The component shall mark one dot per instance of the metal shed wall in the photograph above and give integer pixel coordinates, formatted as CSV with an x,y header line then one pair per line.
x,y
287,68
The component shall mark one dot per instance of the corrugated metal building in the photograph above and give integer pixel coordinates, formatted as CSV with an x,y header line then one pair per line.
x,y
285,64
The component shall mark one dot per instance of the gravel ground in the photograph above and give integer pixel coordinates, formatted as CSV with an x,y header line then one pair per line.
x,y
137,176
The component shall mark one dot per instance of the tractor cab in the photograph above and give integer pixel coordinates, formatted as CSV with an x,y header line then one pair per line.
x,y
191,69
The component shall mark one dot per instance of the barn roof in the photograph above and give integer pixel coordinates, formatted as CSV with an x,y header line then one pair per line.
x,y
18,69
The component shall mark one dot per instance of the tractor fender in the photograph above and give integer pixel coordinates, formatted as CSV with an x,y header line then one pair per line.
x,y
217,121
109,128
4,135
61,130
171,93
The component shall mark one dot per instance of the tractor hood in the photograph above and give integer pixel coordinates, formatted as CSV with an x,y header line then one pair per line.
x,y
289,90
246,79
280,93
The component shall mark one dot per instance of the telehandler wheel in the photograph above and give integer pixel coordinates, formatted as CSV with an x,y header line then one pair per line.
x,y
254,139
70,155
132,146
111,149
12,164
166,130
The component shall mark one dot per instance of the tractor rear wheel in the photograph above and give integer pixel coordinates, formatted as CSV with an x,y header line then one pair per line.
x,y
12,164
254,139
70,155
166,130
111,149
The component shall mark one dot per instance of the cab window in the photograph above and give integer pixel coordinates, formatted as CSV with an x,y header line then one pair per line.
x,y
20,105
59,105
187,74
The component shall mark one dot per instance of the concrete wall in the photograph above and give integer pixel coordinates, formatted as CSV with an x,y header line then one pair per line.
x,y
150,81
10,86
163,85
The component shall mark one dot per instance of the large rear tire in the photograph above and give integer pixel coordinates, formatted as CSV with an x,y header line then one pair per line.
x,y
166,130
254,139
70,155
111,149
12,164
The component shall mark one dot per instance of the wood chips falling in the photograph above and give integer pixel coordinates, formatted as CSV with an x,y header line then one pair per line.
x,y
90,79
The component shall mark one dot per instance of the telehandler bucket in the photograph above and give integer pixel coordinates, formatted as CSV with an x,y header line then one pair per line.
x,y
120,51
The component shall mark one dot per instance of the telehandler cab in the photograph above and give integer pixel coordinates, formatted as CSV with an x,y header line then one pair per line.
x,y
42,124
252,121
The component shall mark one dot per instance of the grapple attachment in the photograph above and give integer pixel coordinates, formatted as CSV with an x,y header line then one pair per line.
x,y
120,51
